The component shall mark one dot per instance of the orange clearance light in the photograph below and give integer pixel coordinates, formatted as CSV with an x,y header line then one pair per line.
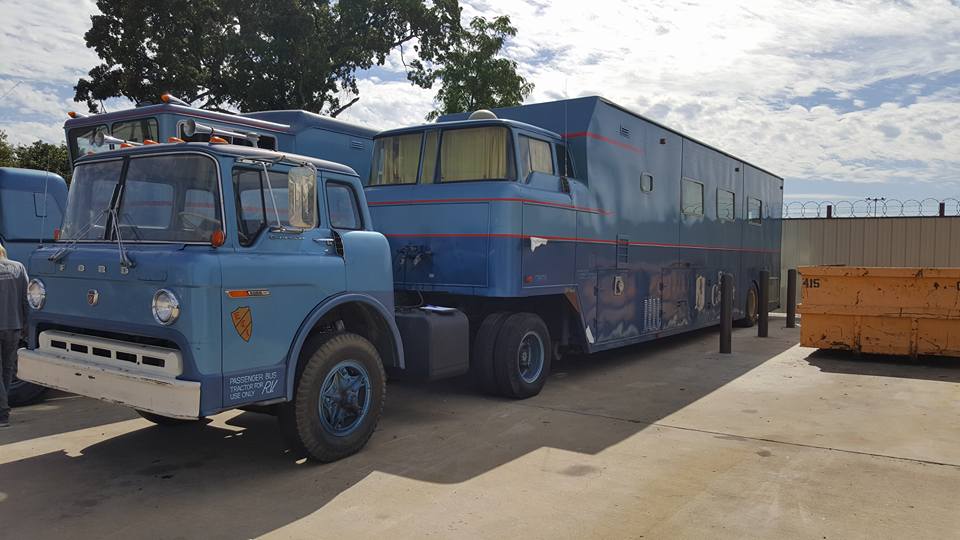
x,y
217,238
174,140
165,98
150,141
217,140
126,145
72,114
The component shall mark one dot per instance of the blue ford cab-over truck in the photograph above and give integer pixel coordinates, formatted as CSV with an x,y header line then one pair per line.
x,y
193,278
31,210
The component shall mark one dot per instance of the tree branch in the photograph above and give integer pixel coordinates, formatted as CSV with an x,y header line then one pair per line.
x,y
334,113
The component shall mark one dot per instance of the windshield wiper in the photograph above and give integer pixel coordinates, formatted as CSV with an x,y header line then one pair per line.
x,y
125,260
62,252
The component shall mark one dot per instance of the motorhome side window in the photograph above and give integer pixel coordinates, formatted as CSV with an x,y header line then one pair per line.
x,y
754,210
646,182
535,156
342,206
726,210
396,160
691,197
81,141
472,154
137,130
255,206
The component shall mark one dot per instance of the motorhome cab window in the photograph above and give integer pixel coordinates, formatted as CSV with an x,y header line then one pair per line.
x,y
255,206
691,197
535,156
136,130
725,205
396,160
476,154
754,210
157,202
342,205
81,141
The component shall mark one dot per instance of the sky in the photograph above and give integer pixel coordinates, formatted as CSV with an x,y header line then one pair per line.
x,y
844,99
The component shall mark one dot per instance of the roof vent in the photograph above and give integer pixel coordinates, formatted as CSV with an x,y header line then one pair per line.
x,y
483,114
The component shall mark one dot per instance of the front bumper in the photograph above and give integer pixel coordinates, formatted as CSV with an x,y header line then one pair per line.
x,y
140,387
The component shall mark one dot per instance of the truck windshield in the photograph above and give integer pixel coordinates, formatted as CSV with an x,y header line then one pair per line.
x,y
462,155
168,198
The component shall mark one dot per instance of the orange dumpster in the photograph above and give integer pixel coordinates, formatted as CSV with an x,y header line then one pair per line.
x,y
898,311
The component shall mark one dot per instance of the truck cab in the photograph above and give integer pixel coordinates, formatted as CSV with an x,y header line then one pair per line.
x,y
32,203
193,278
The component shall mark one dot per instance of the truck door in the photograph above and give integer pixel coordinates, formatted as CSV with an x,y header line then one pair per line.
x,y
271,282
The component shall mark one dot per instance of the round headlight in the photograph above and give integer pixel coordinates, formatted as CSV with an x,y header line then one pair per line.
x,y
36,293
166,307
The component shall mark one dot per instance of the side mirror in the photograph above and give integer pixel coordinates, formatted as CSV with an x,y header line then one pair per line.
x,y
302,194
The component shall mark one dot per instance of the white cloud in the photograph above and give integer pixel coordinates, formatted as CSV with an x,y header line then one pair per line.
x,y
745,75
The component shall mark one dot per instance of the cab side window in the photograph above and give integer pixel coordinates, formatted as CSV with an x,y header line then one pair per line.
x,y
255,210
535,155
343,208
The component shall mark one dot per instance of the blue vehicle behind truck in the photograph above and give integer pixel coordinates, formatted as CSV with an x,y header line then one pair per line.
x,y
570,225
294,131
31,209
193,278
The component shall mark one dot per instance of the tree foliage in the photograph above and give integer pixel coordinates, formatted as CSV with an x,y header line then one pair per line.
x,y
38,155
253,55
472,75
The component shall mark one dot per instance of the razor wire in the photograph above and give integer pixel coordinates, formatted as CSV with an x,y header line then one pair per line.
x,y
872,207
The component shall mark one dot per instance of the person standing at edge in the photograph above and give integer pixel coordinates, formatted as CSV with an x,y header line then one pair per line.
x,y
13,324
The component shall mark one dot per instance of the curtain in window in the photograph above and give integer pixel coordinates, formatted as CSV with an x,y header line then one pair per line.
x,y
399,159
540,158
474,154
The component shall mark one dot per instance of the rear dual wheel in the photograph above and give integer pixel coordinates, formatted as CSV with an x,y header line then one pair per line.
x,y
512,355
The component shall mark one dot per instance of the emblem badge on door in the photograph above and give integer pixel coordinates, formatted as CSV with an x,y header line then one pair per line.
x,y
93,297
242,322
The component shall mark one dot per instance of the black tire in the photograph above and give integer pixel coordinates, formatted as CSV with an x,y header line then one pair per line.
x,y
24,393
161,420
509,357
751,309
301,420
481,358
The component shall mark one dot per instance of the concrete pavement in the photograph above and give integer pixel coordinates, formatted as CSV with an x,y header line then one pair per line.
x,y
665,440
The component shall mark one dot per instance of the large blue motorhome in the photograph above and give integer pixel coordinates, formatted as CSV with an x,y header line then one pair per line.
x,y
295,131
31,209
573,224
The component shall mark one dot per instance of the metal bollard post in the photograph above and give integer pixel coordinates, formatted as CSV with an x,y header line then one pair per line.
x,y
726,313
763,309
792,298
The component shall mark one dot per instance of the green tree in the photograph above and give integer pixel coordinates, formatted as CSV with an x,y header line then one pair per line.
x,y
44,157
472,75
253,55
8,156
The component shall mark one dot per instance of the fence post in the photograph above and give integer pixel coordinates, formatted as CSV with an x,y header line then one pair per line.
x,y
829,211
763,309
726,313
792,298
943,209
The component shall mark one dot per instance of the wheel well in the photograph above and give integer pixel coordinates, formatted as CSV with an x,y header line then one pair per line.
x,y
357,318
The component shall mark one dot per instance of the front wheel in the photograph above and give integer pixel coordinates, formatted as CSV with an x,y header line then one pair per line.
x,y
338,399
522,356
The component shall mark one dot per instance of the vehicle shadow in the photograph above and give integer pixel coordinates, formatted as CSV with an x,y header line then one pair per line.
x,y
238,479
45,417
931,368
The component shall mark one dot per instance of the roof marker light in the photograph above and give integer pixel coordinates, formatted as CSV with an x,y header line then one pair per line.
x,y
75,114
150,141
168,98
217,140
174,140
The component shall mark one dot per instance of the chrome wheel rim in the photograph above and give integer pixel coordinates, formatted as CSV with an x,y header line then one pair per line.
x,y
344,398
530,357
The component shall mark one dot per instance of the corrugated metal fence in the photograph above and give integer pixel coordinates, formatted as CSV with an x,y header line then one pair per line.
x,y
875,241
